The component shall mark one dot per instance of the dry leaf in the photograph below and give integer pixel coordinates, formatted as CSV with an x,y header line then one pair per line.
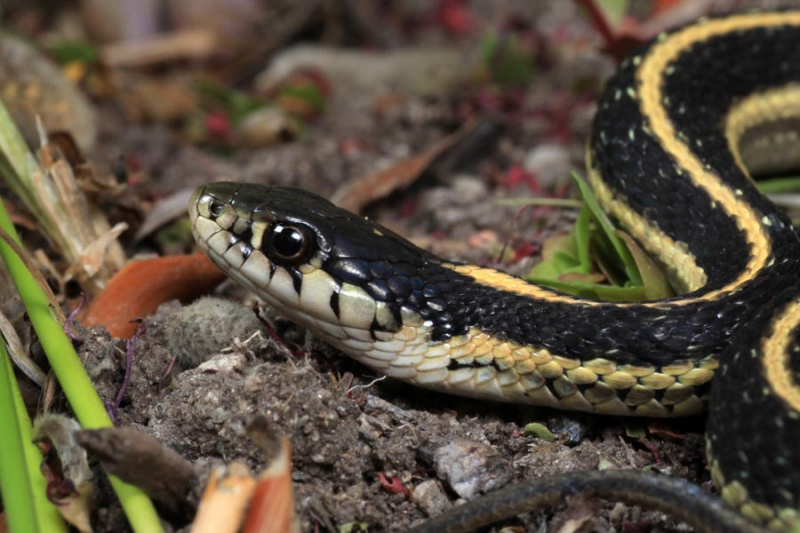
x,y
225,499
74,506
356,194
141,286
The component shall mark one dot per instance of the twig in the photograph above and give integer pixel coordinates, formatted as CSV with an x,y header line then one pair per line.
x,y
129,344
368,385
71,320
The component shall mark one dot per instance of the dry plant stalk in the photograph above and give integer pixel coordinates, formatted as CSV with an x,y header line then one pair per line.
x,y
76,227
50,191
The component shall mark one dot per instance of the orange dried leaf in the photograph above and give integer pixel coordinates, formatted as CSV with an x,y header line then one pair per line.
x,y
141,286
272,505
356,194
225,499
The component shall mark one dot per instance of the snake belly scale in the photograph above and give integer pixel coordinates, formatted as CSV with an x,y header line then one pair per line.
x,y
679,130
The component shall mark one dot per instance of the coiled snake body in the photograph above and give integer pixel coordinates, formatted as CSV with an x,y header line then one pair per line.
x,y
679,130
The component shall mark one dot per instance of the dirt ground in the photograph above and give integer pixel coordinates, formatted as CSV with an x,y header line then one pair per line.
x,y
347,429
370,453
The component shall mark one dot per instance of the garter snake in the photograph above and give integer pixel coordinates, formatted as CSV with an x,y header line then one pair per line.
x,y
680,128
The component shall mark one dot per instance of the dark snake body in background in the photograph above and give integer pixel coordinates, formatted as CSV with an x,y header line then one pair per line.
x,y
679,130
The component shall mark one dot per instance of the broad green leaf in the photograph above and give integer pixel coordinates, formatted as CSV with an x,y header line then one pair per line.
x,y
546,269
608,228
655,284
566,262
607,260
539,431
555,253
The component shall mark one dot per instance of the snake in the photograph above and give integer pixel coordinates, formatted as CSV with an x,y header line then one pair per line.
x,y
681,128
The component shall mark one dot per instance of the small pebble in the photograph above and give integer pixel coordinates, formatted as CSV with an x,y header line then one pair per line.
x,y
549,163
471,468
225,362
267,126
431,498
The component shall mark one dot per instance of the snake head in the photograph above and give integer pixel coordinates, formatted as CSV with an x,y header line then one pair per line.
x,y
330,270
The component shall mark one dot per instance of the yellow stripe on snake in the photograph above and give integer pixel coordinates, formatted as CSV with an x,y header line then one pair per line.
x,y
679,130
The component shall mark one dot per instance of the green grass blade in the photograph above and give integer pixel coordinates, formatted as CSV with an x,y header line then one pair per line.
x,y
545,202
779,185
581,234
608,228
66,364
14,160
15,485
594,291
22,484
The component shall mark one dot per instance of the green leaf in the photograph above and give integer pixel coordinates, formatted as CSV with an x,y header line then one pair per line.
x,y
353,527
635,428
506,61
565,261
546,270
74,51
614,10
571,263
655,284
539,431
582,237
558,256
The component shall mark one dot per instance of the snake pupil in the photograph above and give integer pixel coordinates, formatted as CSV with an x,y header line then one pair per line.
x,y
289,244
216,208
288,241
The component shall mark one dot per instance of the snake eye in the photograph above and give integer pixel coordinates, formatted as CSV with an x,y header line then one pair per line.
x,y
216,208
289,244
